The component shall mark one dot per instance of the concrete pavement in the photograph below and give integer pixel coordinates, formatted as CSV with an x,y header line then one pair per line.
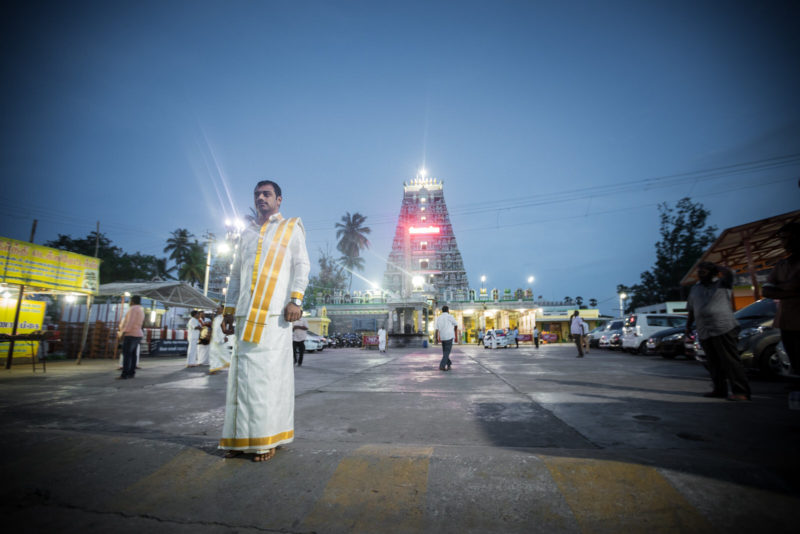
x,y
510,440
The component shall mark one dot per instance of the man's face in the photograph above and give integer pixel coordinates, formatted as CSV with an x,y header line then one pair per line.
x,y
267,203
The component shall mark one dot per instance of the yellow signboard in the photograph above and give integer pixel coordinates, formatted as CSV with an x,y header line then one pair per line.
x,y
48,268
31,317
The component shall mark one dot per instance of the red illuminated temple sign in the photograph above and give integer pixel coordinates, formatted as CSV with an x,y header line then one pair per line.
x,y
424,230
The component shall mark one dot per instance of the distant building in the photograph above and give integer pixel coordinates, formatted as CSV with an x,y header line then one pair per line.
x,y
425,258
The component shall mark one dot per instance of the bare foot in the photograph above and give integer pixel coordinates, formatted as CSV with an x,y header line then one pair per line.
x,y
264,456
233,454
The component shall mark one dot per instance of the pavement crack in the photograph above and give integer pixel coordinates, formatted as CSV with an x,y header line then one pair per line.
x,y
40,497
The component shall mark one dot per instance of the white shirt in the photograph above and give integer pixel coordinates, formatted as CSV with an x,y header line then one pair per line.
x,y
446,325
194,334
298,334
294,272
576,326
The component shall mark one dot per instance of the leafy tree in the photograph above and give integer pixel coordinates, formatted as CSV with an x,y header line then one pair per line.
x,y
115,265
579,302
352,237
567,300
331,277
179,245
684,238
193,269
593,303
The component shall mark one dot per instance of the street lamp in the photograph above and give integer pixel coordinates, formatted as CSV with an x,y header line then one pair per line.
x,y
622,297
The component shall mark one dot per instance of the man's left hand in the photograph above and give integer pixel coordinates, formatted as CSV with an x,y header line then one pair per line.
x,y
292,312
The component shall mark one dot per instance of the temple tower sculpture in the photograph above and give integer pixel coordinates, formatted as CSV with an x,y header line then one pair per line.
x,y
425,261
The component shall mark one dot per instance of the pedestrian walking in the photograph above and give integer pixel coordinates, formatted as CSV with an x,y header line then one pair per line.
x,y
382,339
710,306
130,330
535,334
265,296
447,334
299,335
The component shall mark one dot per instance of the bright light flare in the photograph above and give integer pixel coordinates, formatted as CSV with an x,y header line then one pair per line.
x,y
418,281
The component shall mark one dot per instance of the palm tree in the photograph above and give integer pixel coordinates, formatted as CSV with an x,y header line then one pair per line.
x,y
579,301
593,303
193,269
179,245
161,271
352,240
567,300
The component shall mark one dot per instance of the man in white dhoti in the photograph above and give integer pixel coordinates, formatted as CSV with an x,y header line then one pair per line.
x,y
193,335
265,295
382,339
219,355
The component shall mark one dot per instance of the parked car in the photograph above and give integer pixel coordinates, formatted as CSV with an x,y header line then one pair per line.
x,y
673,344
667,343
640,326
498,335
611,339
597,333
314,342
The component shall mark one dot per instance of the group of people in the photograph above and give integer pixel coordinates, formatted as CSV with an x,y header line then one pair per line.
x,y
263,310
207,341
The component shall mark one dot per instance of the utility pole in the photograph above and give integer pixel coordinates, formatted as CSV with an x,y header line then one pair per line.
x,y
19,307
89,299
210,238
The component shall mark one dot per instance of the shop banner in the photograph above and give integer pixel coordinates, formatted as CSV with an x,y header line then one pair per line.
x,y
48,268
31,317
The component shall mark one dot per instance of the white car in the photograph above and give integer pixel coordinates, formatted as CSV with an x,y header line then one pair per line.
x,y
640,326
495,338
314,342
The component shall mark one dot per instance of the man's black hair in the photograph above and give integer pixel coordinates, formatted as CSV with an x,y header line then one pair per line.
x,y
445,309
136,299
275,187
193,313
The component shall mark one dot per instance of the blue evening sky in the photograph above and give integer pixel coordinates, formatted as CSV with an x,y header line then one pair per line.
x,y
556,127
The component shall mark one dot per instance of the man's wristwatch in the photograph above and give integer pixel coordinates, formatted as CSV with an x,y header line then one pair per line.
x,y
297,302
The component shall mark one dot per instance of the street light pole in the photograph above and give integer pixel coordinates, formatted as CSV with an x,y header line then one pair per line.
x,y
208,263
622,297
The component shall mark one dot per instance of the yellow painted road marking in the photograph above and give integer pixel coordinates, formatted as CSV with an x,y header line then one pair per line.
x,y
620,497
185,476
375,489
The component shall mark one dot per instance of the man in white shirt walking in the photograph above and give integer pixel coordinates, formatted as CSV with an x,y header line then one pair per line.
x,y
446,333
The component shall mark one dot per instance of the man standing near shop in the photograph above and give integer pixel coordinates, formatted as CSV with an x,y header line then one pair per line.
x,y
535,334
709,304
576,330
264,298
130,330
784,283
299,335
446,334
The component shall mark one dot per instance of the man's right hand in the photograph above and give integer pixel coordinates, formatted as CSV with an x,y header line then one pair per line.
x,y
227,324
